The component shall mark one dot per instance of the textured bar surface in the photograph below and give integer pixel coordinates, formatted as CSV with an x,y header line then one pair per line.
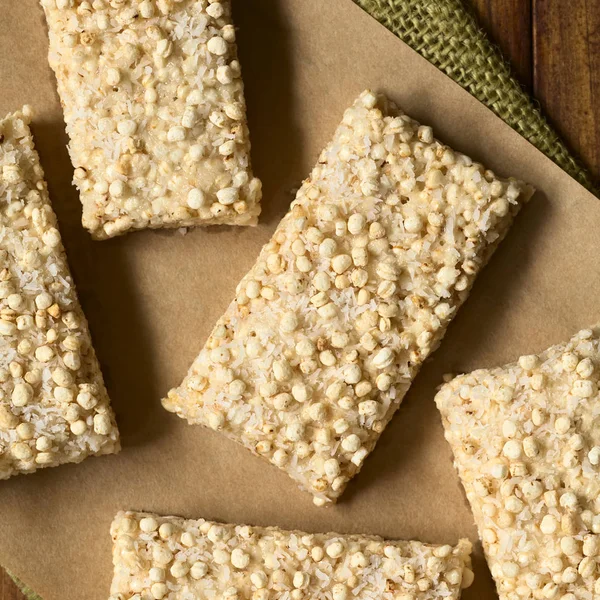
x,y
526,442
53,404
351,295
154,105
168,557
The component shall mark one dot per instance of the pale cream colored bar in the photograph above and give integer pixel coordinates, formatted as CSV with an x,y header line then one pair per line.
x,y
54,407
169,557
526,442
352,294
154,105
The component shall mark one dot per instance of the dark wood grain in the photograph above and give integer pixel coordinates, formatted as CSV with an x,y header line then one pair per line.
x,y
554,49
508,24
8,590
566,43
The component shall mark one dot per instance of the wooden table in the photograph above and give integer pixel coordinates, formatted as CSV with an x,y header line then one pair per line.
x,y
554,47
8,590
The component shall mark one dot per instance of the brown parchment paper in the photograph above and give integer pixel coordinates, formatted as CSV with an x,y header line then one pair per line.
x,y
152,297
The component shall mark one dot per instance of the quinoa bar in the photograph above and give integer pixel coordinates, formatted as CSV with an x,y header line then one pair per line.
x,y
154,105
526,442
54,407
347,300
169,557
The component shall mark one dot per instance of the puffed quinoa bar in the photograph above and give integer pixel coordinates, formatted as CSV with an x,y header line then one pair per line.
x,y
352,294
54,407
154,105
158,557
526,442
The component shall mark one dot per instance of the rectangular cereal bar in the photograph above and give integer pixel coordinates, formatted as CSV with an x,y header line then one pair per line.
x,y
526,442
159,557
154,105
352,294
54,407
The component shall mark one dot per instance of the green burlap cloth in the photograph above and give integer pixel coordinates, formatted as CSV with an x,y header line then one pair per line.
x,y
447,34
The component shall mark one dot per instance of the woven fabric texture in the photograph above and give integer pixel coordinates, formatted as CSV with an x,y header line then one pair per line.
x,y
447,34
